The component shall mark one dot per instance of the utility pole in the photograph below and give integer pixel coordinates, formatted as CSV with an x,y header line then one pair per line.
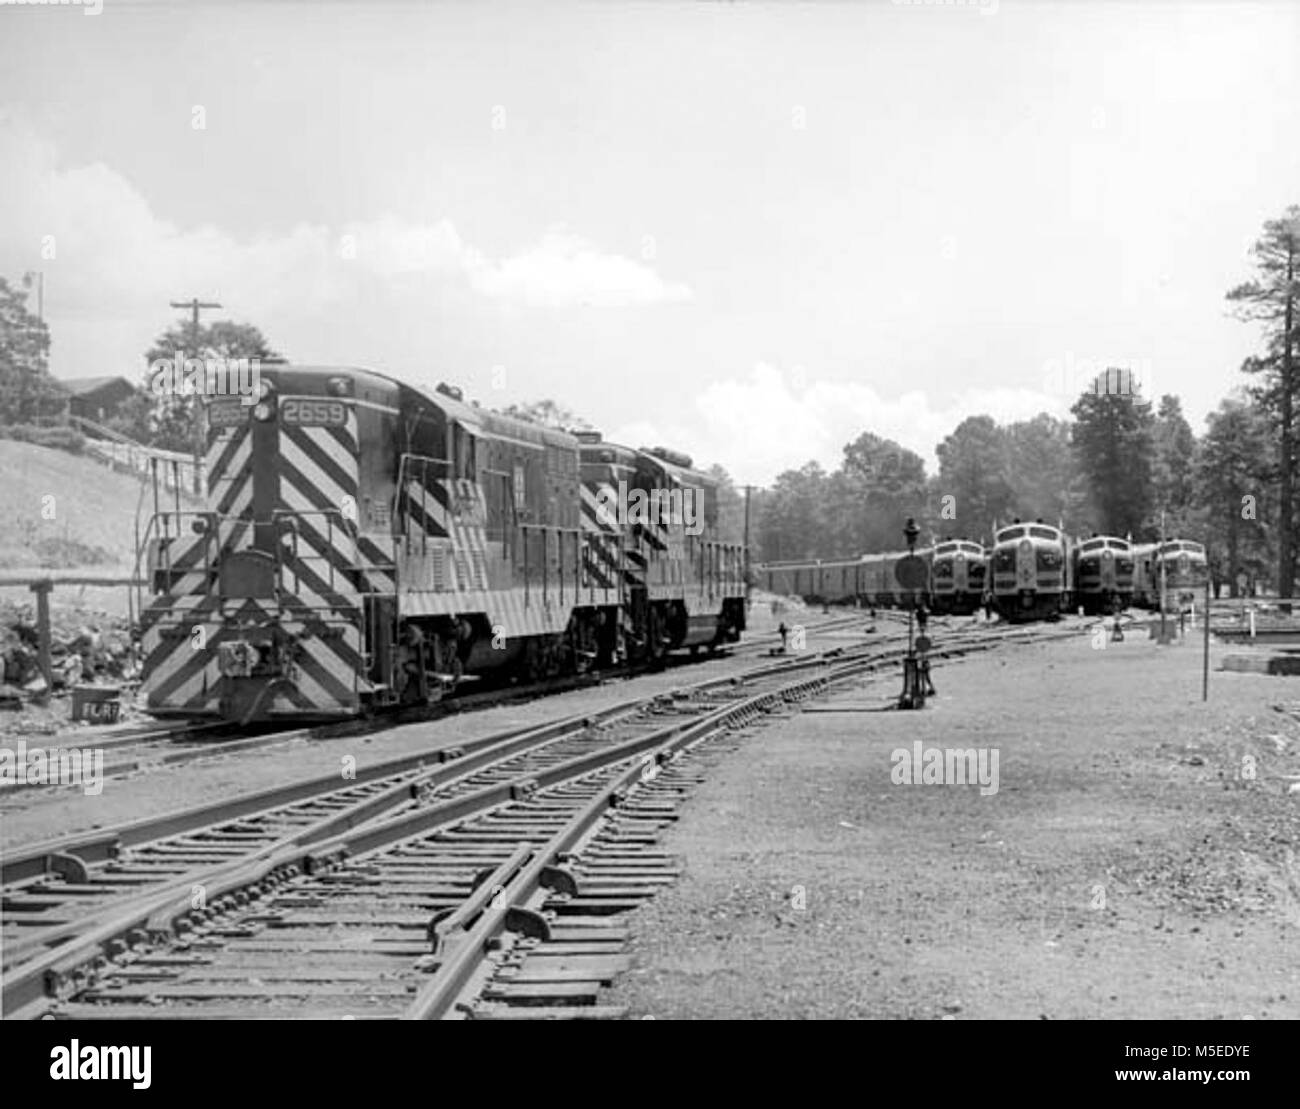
x,y
195,306
748,490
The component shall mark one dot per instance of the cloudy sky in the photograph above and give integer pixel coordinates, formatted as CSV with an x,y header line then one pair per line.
x,y
749,231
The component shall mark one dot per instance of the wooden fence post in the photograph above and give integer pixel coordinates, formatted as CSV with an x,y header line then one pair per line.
x,y
43,658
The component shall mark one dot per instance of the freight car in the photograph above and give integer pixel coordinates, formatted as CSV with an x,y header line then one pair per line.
x,y
365,543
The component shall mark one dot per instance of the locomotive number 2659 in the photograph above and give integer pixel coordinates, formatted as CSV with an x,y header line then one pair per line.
x,y
300,410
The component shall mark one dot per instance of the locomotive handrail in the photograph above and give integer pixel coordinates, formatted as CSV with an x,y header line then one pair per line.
x,y
330,515
404,467
161,523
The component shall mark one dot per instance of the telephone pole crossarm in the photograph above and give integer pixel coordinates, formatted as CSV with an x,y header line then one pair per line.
x,y
196,306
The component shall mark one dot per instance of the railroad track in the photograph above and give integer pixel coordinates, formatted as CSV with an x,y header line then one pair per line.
x,y
284,902
149,746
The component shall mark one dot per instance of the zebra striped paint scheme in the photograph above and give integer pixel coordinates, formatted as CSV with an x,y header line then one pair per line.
x,y
319,607
602,538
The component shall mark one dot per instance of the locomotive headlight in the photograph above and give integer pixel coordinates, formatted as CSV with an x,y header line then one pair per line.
x,y
262,411
263,388
339,386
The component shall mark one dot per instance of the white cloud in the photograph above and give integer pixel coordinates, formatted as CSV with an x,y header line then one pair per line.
x,y
564,270
116,264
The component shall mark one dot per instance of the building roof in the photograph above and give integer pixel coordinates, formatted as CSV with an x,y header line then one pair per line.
x,y
80,386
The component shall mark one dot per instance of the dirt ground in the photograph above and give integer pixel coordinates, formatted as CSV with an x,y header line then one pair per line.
x,y
1128,865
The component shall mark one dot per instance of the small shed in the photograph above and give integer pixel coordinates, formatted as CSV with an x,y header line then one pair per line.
x,y
97,398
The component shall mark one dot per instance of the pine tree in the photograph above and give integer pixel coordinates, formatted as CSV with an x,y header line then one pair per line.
x,y
1113,444
1271,298
1173,467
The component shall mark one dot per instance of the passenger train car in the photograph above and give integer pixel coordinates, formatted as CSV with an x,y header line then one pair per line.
x,y
1186,571
1104,571
1032,572
366,543
793,578
955,579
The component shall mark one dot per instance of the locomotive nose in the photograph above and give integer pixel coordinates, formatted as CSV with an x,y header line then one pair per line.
x,y
1026,563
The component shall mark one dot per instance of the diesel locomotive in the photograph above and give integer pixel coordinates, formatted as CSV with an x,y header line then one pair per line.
x,y
1104,572
958,572
1182,583
366,543
1032,572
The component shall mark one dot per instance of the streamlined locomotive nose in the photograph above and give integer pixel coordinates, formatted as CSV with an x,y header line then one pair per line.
x,y
1025,565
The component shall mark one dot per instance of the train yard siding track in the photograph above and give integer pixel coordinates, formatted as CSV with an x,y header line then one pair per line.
x,y
129,749
492,875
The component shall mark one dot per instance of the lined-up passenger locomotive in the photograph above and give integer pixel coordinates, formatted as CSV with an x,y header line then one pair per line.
x,y
1104,570
958,577
1032,572
1186,571
365,543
